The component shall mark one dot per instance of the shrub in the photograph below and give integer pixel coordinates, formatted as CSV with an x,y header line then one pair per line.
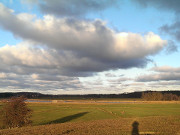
x,y
15,113
157,96
170,97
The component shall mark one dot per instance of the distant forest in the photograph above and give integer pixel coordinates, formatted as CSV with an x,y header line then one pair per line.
x,y
144,94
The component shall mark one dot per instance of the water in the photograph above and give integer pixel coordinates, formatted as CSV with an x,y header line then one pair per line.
x,y
40,101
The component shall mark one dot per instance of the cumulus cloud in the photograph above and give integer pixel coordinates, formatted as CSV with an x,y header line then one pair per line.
x,y
24,59
26,56
77,46
73,7
164,73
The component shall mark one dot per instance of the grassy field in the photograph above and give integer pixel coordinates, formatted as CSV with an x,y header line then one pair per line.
x,y
96,118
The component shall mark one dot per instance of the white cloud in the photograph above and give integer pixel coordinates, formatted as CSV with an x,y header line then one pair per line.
x,y
58,50
166,69
165,73
3,75
23,55
158,77
81,45
133,45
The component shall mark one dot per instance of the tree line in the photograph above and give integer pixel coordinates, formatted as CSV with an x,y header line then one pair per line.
x,y
33,95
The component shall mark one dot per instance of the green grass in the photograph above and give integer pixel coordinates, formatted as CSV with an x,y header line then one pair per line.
x,y
47,113
68,118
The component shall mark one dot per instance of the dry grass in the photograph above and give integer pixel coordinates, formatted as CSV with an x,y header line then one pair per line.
x,y
122,101
120,126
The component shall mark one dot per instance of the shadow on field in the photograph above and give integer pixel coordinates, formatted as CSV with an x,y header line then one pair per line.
x,y
68,118
135,130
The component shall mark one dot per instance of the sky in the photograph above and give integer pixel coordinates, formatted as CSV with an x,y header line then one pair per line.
x,y
89,46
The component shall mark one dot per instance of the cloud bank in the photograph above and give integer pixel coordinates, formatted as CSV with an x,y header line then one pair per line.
x,y
57,50
164,73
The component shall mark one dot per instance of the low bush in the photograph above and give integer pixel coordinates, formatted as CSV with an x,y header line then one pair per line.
x,y
158,96
15,113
